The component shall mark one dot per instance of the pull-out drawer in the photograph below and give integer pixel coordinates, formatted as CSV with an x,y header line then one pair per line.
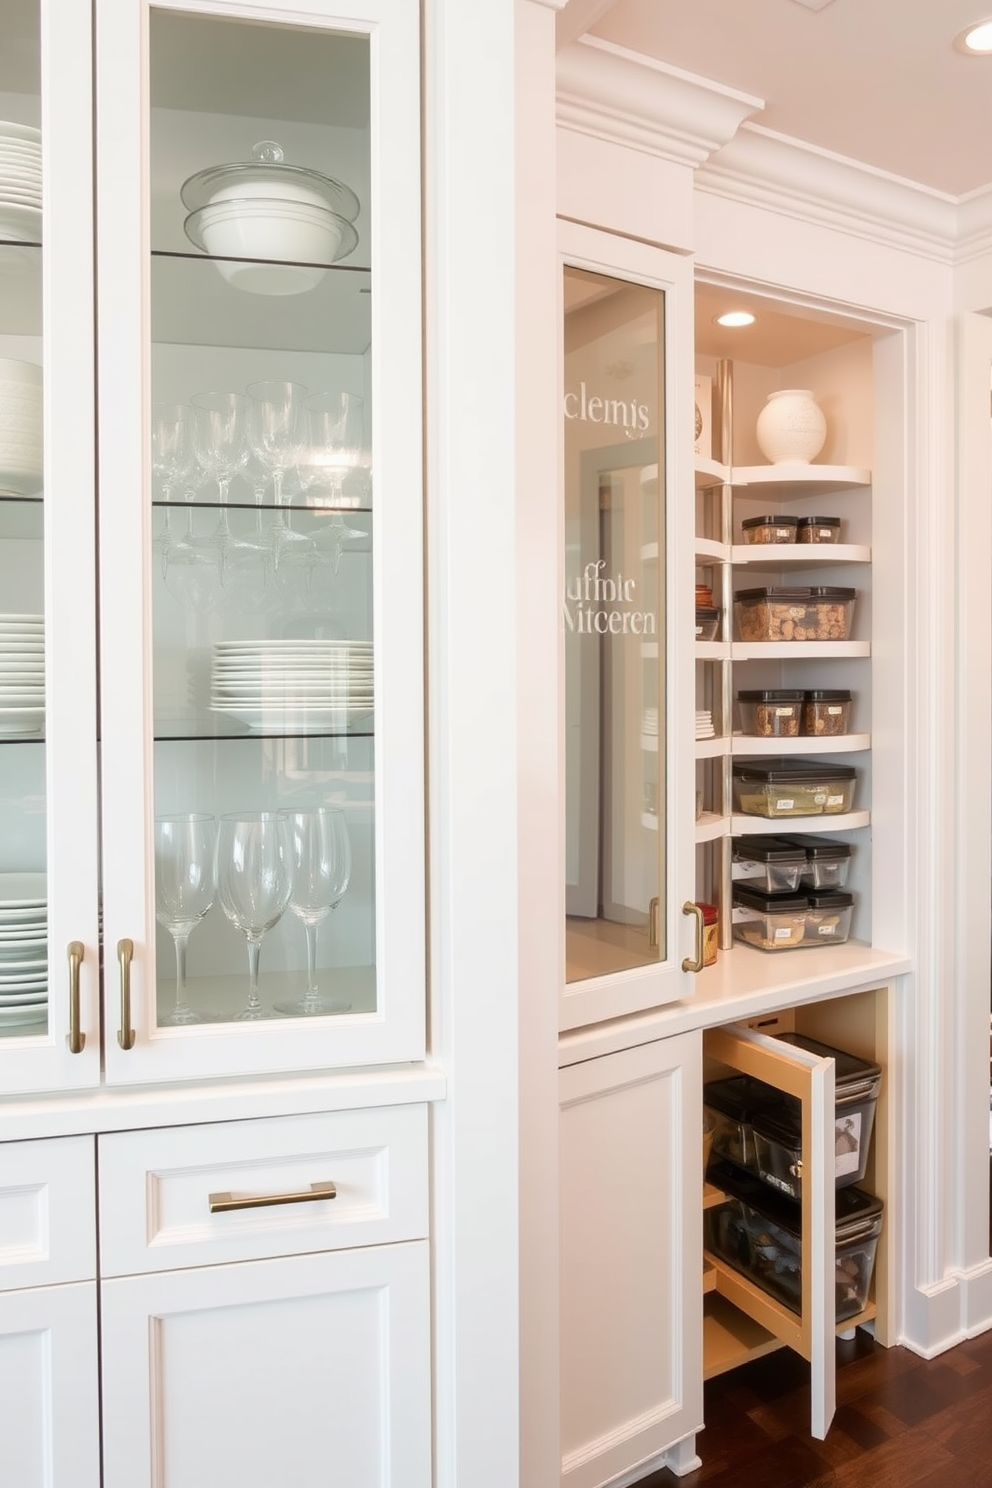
x,y
247,1190
47,1212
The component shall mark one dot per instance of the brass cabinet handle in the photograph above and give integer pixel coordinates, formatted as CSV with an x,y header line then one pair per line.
x,y
689,964
76,1039
125,954
221,1203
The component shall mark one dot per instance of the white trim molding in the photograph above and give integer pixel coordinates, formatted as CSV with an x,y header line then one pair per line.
x,y
624,98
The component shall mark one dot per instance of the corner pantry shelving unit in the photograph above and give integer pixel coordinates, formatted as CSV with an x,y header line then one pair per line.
x,y
726,495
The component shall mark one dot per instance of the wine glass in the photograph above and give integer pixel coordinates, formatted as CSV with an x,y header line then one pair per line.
x,y
277,435
321,859
336,448
219,434
185,886
254,882
171,441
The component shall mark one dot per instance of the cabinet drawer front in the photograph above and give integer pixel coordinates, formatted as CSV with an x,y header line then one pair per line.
x,y
47,1212
246,1190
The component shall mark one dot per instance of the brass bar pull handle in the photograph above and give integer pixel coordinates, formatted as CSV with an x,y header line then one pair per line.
x,y
77,1038
653,908
222,1203
125,955
688,963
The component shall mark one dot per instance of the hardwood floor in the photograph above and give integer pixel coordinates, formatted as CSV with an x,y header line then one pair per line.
x,y
901,1422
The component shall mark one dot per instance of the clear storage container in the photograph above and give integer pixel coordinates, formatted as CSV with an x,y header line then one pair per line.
x,y
707,622
770,529
768,863
826,712
771,713
827,860
772,922
819,530
857,1084
786,788
730,1106
794,614
828,916
758,1233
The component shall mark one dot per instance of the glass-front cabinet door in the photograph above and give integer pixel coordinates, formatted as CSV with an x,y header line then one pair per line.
x,y
260,536
49,947
624,629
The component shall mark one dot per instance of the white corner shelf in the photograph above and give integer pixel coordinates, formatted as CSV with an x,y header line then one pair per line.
x,y
745,744
801,480
711,473
649,743
708,550
796,555
796,650
713,650
711,827
712,748
760,826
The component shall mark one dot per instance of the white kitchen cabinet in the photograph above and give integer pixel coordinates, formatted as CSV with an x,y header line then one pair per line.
x,y
304,1370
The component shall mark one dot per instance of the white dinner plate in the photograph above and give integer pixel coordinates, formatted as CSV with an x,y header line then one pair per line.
x,y
13,1016
20,224
19,889
286,718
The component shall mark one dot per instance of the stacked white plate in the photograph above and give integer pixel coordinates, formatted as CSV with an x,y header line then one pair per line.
x,y
292,684
704,724
20,183
23,949
22,673
20,426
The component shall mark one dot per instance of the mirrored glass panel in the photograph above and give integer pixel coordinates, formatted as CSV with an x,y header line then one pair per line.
x,y
262,521
613,614
23,883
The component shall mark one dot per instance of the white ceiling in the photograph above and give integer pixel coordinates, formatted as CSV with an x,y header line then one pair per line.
x,y
874,80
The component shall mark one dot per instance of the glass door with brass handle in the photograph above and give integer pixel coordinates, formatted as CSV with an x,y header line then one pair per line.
x,y
49,1020
269,394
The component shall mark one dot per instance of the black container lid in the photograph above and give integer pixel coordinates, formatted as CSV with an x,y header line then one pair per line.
x,y
706,612
767,850
752,898
824,591
819,521
827,695
829,899
769,522
818,848
772,695
740,1096
849,1066
800,595
854,1208
784,771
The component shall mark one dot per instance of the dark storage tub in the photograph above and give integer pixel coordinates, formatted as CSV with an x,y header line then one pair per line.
x,y
759,1233
731,1106
828,859
768,863
784,788
777,1133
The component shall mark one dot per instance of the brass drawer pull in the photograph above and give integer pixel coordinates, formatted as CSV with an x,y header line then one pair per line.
x,y
688,963
77,1039
125,954
221,1203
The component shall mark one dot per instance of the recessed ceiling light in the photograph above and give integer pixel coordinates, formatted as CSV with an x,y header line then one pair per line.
x,y
735,318
976,40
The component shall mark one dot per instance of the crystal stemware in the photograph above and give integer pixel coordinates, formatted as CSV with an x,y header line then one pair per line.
x,y
219,443
336,449
321,858
185,887
254,882
172,460
277,435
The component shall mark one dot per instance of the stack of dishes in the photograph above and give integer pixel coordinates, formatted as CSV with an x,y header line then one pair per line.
x,y
20,183
293,684
23,949
263,209
20,427
22,673
704,724
649,722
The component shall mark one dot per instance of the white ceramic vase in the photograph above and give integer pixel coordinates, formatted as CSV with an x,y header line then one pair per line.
x,y
791,428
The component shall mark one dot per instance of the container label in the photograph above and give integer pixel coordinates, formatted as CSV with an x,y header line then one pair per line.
x,y
783,932
847,1144
834,711
784,712
834,800
784,805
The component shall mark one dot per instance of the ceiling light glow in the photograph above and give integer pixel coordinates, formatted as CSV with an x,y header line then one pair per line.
x,y
736,318
976,41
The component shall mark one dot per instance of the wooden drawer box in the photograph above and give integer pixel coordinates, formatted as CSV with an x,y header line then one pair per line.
x,y
172,1198
47,1212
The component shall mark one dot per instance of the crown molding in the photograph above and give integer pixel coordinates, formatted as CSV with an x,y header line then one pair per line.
x,y
789,176
627,99
975,225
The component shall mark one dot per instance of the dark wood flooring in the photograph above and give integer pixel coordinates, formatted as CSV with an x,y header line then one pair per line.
x,y
901,1422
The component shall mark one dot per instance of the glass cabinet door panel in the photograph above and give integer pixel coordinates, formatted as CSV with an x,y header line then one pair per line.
x,y
47,796
270,515
614,610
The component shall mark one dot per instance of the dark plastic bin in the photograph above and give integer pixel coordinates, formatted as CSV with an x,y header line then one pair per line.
x,y
732,1106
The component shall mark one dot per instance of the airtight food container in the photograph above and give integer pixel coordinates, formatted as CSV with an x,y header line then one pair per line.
x,y
857,1083
707,622
794,614
771,713
758,1233
785,788
771,922
819,530
826,711
731,1106
768,863
770,529
827,860
828,917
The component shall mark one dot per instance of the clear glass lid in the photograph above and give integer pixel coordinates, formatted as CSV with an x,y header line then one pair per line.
x,y
268,175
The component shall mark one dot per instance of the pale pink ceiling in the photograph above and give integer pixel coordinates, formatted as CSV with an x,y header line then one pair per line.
x,y
875,80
